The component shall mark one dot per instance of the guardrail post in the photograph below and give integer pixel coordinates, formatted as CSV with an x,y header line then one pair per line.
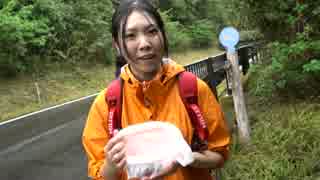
x,y
212,84
244,59
228,74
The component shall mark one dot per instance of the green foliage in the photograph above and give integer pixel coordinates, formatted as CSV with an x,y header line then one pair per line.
x,y
293,69
313,66
91,38
261,80
20,35
32,32
294,65
193,12
193,23
250,35
280,19
289,64
201,33
185,11
177,34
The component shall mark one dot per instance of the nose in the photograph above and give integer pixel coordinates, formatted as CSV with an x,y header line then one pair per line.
x,y
144,43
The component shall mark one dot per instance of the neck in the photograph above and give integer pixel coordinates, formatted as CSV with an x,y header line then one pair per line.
x,y
144,76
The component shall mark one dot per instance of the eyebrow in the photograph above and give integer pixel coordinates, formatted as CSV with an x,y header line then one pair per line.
x,y
148,27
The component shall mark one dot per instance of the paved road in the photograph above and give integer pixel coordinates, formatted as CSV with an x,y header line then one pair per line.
x,y
66,165
55,155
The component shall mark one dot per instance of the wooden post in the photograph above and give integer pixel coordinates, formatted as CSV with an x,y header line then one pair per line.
x,y
38,92
238,99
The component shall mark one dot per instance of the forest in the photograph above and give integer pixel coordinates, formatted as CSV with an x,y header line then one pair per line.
x,y
38,32
36,35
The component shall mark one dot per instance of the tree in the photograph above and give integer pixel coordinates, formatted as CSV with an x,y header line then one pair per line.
x,y
277,19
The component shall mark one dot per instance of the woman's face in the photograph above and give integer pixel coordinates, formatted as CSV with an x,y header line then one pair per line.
x,y
144,43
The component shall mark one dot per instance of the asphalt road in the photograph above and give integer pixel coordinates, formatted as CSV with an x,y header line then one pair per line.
x,y
55,155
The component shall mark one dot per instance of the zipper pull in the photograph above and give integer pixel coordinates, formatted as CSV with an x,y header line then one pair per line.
x,y
144,86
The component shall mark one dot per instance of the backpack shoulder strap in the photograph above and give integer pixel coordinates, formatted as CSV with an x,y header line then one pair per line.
x,y
114,100
189,94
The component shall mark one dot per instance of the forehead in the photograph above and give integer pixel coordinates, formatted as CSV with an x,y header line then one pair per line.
x,y
138,20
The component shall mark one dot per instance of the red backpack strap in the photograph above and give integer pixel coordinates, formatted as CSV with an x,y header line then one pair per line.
x,y
114,100
189,93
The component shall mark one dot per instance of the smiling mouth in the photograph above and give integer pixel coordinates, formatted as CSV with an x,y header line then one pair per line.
x,y
147,57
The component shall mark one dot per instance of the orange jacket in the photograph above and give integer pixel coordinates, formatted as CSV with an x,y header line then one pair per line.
x,y
159,100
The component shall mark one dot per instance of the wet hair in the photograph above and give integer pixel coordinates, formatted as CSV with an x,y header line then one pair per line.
x,y
120,17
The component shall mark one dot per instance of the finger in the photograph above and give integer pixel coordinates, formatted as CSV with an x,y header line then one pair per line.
x,y
117,148
112,142
115,132
122,164
119,156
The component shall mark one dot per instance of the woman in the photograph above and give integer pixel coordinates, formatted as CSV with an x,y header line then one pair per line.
x,y
139,37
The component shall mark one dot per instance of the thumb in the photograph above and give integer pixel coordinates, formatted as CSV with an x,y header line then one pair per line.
x,y
115,132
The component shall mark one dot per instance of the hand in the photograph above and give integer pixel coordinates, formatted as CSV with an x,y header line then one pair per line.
x,y
167,170
115,154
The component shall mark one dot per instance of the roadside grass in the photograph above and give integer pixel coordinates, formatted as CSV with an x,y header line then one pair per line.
x,y
191,56
285,140
285,143
61,83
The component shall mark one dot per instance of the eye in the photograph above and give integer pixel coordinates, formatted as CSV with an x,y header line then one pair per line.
x,y
153,31
130,36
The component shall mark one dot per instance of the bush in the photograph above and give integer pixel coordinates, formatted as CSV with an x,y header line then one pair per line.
x,y
202,33
295,65
294,69
250,35
261,80
177,34
90,38
32,32
279,19
20,36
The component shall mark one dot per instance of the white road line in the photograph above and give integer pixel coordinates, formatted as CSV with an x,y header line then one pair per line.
x,y
16,147
46,109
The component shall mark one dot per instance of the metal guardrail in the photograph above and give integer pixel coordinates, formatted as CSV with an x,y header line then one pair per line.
x,y
212,71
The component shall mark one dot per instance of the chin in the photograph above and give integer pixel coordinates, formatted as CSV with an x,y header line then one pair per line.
x,y
150,69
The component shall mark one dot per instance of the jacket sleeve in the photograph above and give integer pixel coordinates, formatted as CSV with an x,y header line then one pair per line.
x,y
95,136
219,135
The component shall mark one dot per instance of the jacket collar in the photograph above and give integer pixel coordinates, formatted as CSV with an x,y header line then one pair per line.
x,y
169,70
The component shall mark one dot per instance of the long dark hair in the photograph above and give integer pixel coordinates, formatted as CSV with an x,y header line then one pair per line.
x,y
119,19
